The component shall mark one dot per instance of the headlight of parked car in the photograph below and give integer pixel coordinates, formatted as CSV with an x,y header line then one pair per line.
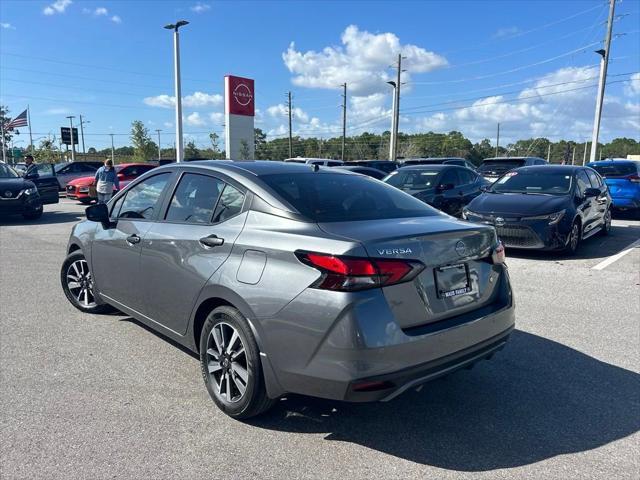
x,y
31,191
83,190
469,215
552,218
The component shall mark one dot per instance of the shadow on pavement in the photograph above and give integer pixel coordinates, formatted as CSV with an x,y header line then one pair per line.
x,y
158,334
536,400
594,247
47,218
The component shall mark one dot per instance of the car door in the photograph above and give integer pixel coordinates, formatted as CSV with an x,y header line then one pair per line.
x,y
65,175
601,203
451,201
181,251
115,253
470,185
586,205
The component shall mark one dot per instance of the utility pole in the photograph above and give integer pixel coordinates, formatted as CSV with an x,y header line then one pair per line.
x,y
290,135
392,140
82,122
4,150
397,106
73,148
30,134
113,154
178,89
604,64
584,156
573,157
344,118
548,151
498,139
159,152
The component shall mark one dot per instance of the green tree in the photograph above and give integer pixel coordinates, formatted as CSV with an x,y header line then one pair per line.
x,y
144,147
191,151
5,119
215,145
46,152
262,152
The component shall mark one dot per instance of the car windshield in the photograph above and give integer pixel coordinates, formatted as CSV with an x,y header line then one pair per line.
x,y
412,179
537,182
326,197
616,169
499,166
60,166
7,172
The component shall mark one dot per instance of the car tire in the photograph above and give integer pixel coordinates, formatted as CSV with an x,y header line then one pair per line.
x,y
573,241
606,227
86,201
230,365
77,285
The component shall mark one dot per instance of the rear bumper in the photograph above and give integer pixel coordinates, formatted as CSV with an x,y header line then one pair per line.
x,y
626,203
364,344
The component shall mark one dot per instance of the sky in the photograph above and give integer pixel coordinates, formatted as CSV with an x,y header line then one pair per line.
x,y
528,64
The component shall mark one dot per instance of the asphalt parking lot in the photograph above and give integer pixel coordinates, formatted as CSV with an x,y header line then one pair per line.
x,y
103,397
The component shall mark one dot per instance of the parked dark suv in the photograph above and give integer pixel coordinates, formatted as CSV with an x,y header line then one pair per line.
x,y
287,277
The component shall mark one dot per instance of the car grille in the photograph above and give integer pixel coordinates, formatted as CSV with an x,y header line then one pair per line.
x,y
518,236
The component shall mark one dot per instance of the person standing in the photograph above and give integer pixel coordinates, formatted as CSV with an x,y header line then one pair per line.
x,y
106,178
32,168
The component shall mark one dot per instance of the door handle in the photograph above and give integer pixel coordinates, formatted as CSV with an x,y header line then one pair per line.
x,y
133,239
211,241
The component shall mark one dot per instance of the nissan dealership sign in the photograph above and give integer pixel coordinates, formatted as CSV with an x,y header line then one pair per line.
x,y
239,110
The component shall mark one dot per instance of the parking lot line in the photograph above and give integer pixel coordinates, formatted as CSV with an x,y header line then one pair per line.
x,y
614,258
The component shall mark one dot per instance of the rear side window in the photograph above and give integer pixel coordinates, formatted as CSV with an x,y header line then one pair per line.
x,y
142,200
593,177
195,199
230,204
334,164
409,179
616,169
466,176
450,177
334,197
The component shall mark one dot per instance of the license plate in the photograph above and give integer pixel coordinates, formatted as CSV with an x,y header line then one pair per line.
x,y
452,280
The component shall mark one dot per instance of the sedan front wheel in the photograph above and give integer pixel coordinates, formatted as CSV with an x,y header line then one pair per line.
x,y
77,284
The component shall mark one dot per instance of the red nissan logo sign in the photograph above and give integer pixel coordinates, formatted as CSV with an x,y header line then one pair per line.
x,y
239,96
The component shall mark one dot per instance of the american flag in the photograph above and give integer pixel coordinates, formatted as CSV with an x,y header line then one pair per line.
x,y
19,121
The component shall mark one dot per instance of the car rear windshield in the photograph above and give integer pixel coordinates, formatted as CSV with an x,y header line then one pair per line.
x,y
327,197
557,183
616,169
413,179
499,165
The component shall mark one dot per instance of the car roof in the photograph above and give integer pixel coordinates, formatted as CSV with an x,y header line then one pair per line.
x,y
609,161
358,167
129,164
434,166
550,169
512,158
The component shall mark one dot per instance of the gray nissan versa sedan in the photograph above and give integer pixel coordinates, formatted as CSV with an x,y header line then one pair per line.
x,y
294,278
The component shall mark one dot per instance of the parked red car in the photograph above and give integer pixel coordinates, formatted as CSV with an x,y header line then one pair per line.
x,y
80,188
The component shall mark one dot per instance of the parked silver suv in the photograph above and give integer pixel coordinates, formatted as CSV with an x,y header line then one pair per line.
x,y
294,278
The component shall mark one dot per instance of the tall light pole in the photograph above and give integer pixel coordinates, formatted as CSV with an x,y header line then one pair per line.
x,y
604,64
73,148
392,140
498,140
344,118
178,91
159,154
82,122
393,154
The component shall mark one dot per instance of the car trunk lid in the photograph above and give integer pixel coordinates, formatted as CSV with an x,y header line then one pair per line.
x,y
458,275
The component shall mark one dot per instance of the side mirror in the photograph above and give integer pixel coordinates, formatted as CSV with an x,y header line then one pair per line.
x,y
484,188
99,213
591,192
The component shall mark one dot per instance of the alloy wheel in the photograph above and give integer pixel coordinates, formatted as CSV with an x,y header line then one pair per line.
x,y
575,234
80,283
607,221
227,362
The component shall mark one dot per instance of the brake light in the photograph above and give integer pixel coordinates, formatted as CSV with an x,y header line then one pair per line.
x,y
346,274
633,178
499,255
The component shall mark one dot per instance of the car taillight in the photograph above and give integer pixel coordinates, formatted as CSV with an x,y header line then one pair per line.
x,y
499,255
351,273
633,178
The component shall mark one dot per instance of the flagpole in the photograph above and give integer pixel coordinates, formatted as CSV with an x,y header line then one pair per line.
x,y
4,155
30,135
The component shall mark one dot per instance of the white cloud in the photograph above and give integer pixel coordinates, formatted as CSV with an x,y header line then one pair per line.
x,y
362,61
59,6
200,7
7,26
567,113
168,124
197,99
116,19
195,120
506,32
57,111
217,118
100,11
633,87
280,110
